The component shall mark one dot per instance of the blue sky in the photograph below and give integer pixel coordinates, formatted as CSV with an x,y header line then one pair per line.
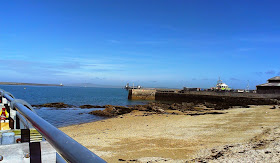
x,y
167,43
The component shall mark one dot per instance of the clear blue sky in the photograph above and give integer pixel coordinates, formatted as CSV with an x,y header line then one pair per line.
x,y
167,43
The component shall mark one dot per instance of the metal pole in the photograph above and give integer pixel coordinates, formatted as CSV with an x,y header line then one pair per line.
x,y
67,147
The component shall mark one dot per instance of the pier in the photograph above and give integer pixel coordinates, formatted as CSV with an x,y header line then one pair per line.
x,y
141,94
177,95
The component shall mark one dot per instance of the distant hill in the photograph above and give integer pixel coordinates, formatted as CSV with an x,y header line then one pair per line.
x,y
35,84
93,85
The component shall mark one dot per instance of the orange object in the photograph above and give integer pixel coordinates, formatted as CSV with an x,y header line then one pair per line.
x,y
4,125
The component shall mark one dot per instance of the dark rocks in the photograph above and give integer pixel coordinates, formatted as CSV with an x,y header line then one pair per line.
x,y
133,160
222,106
214,150
111,111
259,145
140,107
101,113
209,105
204,113
157,109
175,106
147,114
219,154
163,106
275,107
122,110
90,106
53,105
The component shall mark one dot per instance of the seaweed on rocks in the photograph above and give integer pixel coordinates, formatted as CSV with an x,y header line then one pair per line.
x,y
111,111
140,107
90,106
54,105
204,113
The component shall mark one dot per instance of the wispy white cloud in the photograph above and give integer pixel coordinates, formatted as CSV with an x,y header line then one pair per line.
x,y
151,42
270,72
72,68
245,49
261,39
234,79
169,27
68,49
92,64
114,41
139,42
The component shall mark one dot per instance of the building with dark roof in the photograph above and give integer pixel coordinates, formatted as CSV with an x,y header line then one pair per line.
x,y
272,87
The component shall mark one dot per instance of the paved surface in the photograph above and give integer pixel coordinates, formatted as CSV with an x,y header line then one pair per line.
x,y
17,153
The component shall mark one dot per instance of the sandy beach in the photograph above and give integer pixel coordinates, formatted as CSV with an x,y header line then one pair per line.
x,y
142,137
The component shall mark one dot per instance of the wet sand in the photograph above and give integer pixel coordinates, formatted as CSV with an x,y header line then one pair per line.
x,y
175,138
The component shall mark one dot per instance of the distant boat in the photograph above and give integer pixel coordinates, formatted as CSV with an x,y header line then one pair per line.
x,y
221,86
61,84
128,87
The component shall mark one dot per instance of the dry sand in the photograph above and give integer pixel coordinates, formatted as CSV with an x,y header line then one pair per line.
x,y
177,138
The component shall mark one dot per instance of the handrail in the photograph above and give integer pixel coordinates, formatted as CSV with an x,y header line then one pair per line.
x,y
23,120
67,147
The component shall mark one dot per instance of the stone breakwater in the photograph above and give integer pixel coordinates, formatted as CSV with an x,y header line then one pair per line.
x,y
222,99
141,94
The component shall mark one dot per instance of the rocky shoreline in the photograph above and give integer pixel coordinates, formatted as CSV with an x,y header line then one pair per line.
x,y
183,108
153,108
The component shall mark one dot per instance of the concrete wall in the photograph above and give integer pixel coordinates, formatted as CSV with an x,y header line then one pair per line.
x,y
232,94
268,90
231,98
228,98
141,94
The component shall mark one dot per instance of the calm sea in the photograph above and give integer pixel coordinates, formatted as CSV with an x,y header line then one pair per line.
x,y
70,95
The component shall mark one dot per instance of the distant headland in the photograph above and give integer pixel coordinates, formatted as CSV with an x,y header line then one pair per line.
x,y
34,84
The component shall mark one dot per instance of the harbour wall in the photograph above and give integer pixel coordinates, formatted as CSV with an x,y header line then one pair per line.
x,y
228,98
230,94
141,94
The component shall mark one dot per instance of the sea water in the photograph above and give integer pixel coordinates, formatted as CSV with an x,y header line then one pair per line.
x,y
75,96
